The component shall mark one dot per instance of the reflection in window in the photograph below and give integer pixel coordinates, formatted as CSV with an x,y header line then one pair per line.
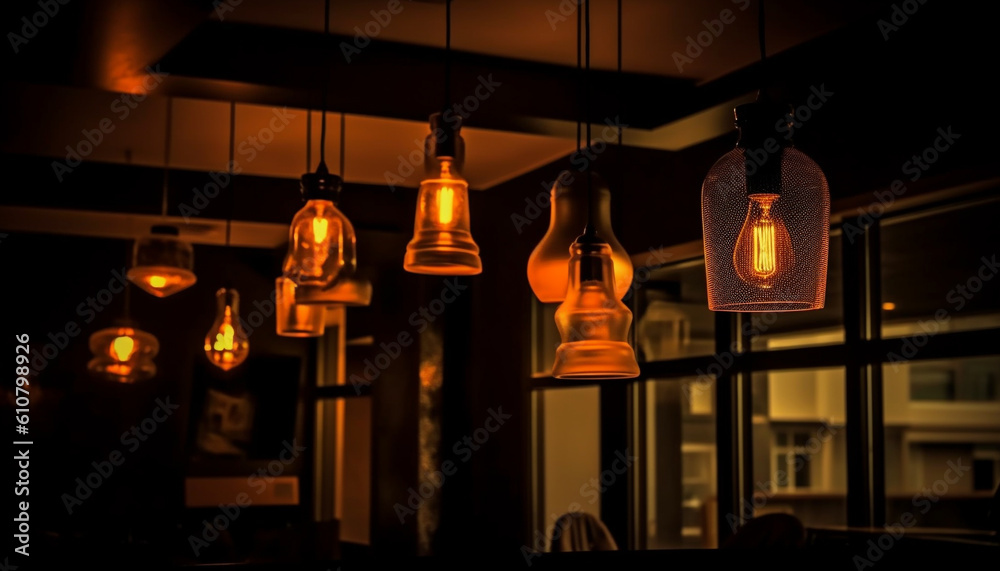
x,y
681,497
799,445
672,315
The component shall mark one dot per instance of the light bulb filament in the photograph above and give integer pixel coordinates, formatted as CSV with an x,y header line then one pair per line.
x,y
320,226
157,281
122,348
764,255
446,205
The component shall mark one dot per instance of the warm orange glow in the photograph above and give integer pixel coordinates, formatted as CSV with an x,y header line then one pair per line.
x,y
296,320
442,242
122,348
763,253
320,226
445,205
321,245
161,281
888,306
568,201
226,344
593,324
123,354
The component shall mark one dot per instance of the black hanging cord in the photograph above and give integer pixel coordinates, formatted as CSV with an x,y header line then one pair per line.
x,y
761,94
579,66
343,137
232,191
447,55
166,155
309,114
590,229
326,82
618,94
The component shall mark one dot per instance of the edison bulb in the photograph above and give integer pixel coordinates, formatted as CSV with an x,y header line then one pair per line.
x,y
763,252
123,353
442,242
226,343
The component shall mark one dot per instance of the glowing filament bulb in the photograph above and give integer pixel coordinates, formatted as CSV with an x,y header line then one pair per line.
x,y
320,226
122,348
157,281
446,205
226,343
763,251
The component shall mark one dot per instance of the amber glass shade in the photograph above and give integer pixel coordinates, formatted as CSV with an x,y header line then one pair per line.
x,y
348,290
766,222
226,342
162,264
293,319
593,323
442,241
320,245
123,353
568,204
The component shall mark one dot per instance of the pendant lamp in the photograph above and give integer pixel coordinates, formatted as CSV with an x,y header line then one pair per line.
x,y
765,218
226,343
569,208
162,264
442,241
321,242
123,353
593,323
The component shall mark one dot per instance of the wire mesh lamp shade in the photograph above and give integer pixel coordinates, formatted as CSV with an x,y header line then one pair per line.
x,y
766,221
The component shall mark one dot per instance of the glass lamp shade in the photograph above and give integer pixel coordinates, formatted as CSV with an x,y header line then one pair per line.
x,y
321,240
348,290
296,320
123,353
442,241
226,343
162,264
593,323
766,221
569,207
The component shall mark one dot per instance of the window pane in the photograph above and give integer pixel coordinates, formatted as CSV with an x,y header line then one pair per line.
x,y
681,495
567,457
938,269
545,338
799,445
781,330
343,466
672,315
942,441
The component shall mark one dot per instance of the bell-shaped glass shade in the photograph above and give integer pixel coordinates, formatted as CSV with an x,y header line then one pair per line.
x,y
162,264
569,206
293,319
442,242
765,210
321,245
226,342
593,323
123,353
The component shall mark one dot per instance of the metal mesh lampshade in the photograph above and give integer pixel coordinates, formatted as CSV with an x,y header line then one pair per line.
x,y
593,323
123,353
766,220
442,241
294,319
568,204
162,264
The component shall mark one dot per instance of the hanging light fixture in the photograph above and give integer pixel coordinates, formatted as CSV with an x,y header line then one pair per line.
x,y
442,241
226,343
162,264
765,216
123,353
593,323
321,244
